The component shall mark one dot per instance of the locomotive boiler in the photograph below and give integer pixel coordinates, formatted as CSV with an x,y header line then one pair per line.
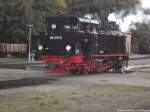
x,y
83,45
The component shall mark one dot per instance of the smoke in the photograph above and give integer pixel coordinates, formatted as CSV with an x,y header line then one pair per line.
x,y
128,18
145,4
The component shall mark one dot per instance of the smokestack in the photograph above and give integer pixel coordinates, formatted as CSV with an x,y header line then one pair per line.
x,y
127,18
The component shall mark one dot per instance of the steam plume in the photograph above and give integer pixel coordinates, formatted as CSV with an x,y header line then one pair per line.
x,y
127,18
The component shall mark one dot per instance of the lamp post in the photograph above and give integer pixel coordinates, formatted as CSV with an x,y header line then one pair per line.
x,y
29,42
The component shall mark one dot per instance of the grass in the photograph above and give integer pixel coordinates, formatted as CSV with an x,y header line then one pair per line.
x,y
110,90
36,102
45,102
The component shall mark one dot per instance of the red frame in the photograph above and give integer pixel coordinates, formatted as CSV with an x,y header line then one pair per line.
x,y
81,64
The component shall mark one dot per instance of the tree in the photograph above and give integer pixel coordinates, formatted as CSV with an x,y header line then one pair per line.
x,y
62,4
16,14
13,16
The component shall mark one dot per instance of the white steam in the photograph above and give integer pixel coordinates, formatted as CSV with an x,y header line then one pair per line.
x,y
127,19
145,4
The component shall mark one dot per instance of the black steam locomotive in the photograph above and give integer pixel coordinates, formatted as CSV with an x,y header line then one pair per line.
x,y
83,45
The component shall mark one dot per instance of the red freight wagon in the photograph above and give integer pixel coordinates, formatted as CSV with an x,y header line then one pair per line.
x,y
13,49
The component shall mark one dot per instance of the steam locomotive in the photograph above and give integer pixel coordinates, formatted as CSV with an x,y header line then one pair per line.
x,y
83,45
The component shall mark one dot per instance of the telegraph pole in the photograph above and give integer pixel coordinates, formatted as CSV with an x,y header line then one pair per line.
x,y
29,42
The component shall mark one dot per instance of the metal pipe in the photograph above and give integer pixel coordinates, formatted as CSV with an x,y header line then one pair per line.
x,y
30,35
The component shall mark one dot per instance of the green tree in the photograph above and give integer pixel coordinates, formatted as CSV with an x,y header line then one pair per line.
x,y
42,9
13,15
16,14
62,4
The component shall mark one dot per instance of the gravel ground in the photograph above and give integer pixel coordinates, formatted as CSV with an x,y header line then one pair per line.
x,y
65,98
109,92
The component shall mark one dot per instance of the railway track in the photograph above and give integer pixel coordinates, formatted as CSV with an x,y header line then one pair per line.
x,y
25,82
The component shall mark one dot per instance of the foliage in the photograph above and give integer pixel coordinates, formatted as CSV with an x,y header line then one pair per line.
x,y
13,18
62,4
15,15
